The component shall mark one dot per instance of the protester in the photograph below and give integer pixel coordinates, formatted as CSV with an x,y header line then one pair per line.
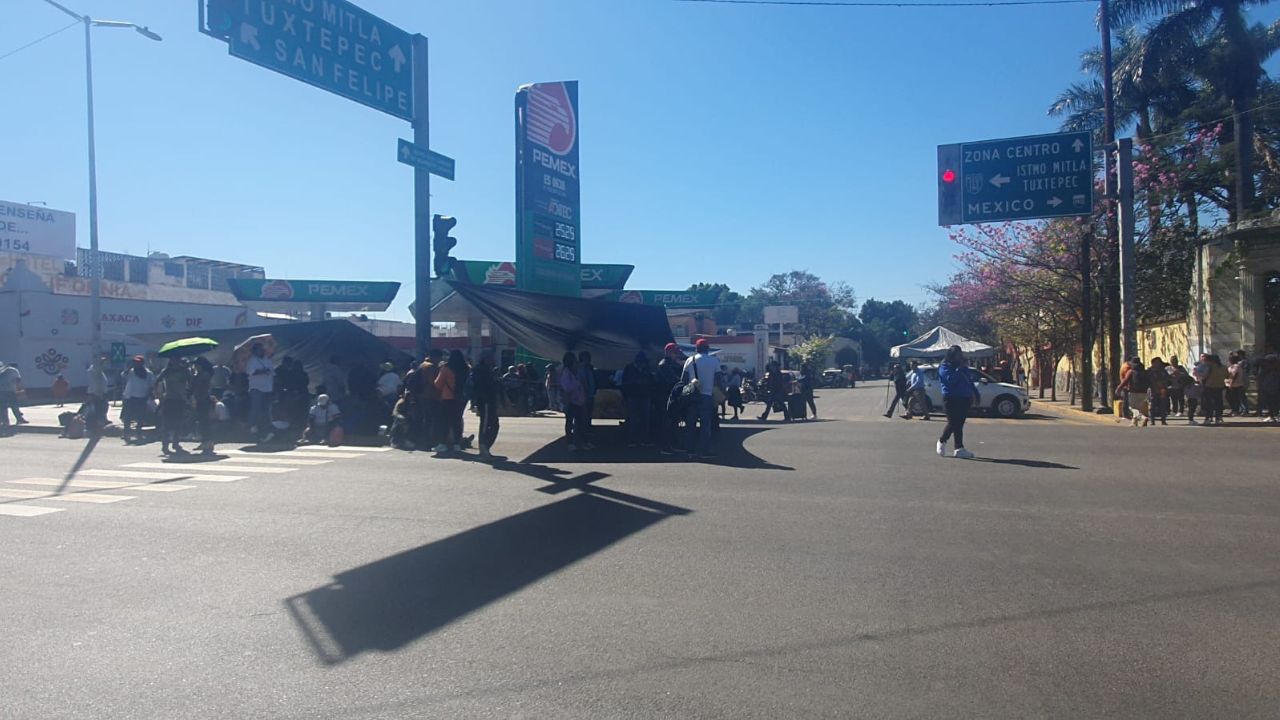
x,y
1269,385
200,388
665,410
777,386
638,383
587,376
805,383
10,385
958,394
700,372
389,383
1158,391
1133,387
733,392
484,398
60,390
573,399
916,395
261,374
1215,385
322,419
1179,380
449,381
171,387
139,386
1237,383
899,390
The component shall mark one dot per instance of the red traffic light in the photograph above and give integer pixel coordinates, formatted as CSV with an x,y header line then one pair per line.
x,y
948,176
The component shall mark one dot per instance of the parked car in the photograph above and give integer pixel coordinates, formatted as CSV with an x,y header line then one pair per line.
x,y
996,398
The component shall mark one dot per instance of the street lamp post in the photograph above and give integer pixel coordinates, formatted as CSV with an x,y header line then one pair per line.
x,y
95,262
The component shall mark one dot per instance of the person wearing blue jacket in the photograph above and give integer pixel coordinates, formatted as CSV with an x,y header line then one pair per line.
x,y
958,394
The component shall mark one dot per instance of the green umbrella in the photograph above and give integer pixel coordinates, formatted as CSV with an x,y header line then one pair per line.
x,y
186,347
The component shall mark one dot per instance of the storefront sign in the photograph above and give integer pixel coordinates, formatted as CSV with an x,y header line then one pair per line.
x,y
548,242
666,298
487,272
329,292
37,230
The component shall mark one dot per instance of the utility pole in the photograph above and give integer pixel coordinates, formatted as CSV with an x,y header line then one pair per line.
x,y
1086,319
1110,270
1129,317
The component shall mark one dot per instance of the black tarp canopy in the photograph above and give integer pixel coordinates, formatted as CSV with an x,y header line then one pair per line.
x,y
550,325
312,343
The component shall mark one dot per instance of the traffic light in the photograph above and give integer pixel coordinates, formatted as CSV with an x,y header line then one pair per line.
x,y
441,243
950,196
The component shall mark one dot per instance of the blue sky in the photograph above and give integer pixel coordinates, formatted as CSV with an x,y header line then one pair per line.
x,y
718,142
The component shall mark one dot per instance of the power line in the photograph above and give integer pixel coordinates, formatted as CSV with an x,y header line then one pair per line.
x,y
39,40
864,4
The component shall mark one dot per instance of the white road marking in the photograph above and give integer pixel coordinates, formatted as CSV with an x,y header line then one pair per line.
x,y
254,458
27,510
344,448
98,498
210,467
314,457
103,484
158,477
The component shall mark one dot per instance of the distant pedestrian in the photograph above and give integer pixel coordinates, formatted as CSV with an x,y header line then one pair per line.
x,y
61,388
200,388
261,372
638,383
573,399
700,370
449,382
139,387
551,388
1215,385
10,386
777,388
806,385
1237,384
916,395
958,395
666,410
1133,387
1179,379
587,376
96,419
733,392
171,387
484,398
899,380
1158,391
1269,385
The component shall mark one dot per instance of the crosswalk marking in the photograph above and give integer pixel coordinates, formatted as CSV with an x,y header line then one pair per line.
x,y
343,448
153,477
27,510
99,498
258,459
211,467
103,484
314,456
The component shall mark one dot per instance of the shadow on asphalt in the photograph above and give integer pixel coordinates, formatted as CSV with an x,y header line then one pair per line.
x,y
79,463
1041,464
729,445
389,603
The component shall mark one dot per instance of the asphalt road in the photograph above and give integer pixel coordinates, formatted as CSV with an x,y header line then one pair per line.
x,y
836,568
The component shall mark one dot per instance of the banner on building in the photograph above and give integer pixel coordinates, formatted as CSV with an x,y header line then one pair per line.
x,y
37,230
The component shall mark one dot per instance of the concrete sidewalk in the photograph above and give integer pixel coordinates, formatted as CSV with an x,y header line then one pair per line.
x,y
1064,409
44,418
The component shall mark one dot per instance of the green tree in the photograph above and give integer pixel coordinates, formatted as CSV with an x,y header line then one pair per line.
x,y
885,324
728,307
812,352
825,309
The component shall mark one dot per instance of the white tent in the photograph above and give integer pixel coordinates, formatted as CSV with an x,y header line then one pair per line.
x,y
934,344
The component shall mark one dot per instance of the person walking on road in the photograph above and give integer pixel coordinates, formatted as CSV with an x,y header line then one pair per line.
x,y
484,398
700,370
805,383
958,394
777,387
574,399
899,379
637,388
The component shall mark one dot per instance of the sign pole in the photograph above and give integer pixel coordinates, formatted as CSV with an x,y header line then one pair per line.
x,y
421,201
1086,320
1128,290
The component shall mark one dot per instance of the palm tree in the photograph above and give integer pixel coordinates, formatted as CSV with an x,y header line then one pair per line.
x,y
1214,36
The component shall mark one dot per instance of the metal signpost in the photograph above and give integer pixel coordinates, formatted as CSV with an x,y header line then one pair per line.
x,y
346,50
1023,178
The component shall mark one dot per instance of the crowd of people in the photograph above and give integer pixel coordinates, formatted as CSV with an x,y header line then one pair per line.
x,y
1210,389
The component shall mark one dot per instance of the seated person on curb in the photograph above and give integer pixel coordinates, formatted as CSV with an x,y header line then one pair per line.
x,y
322,419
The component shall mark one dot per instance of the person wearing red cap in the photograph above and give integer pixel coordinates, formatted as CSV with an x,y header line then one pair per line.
x,y
700,371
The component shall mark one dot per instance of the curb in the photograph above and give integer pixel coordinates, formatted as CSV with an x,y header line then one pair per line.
x,y
1069,411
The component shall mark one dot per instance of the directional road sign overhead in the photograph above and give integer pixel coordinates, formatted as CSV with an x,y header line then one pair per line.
x,y
1023,178
427,159
331,44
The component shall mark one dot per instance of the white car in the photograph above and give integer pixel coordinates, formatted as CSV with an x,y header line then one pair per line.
x,y
998,399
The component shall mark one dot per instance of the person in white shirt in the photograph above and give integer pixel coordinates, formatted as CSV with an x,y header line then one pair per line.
x,y
261,372
139,384
322,417
700,370
389,384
